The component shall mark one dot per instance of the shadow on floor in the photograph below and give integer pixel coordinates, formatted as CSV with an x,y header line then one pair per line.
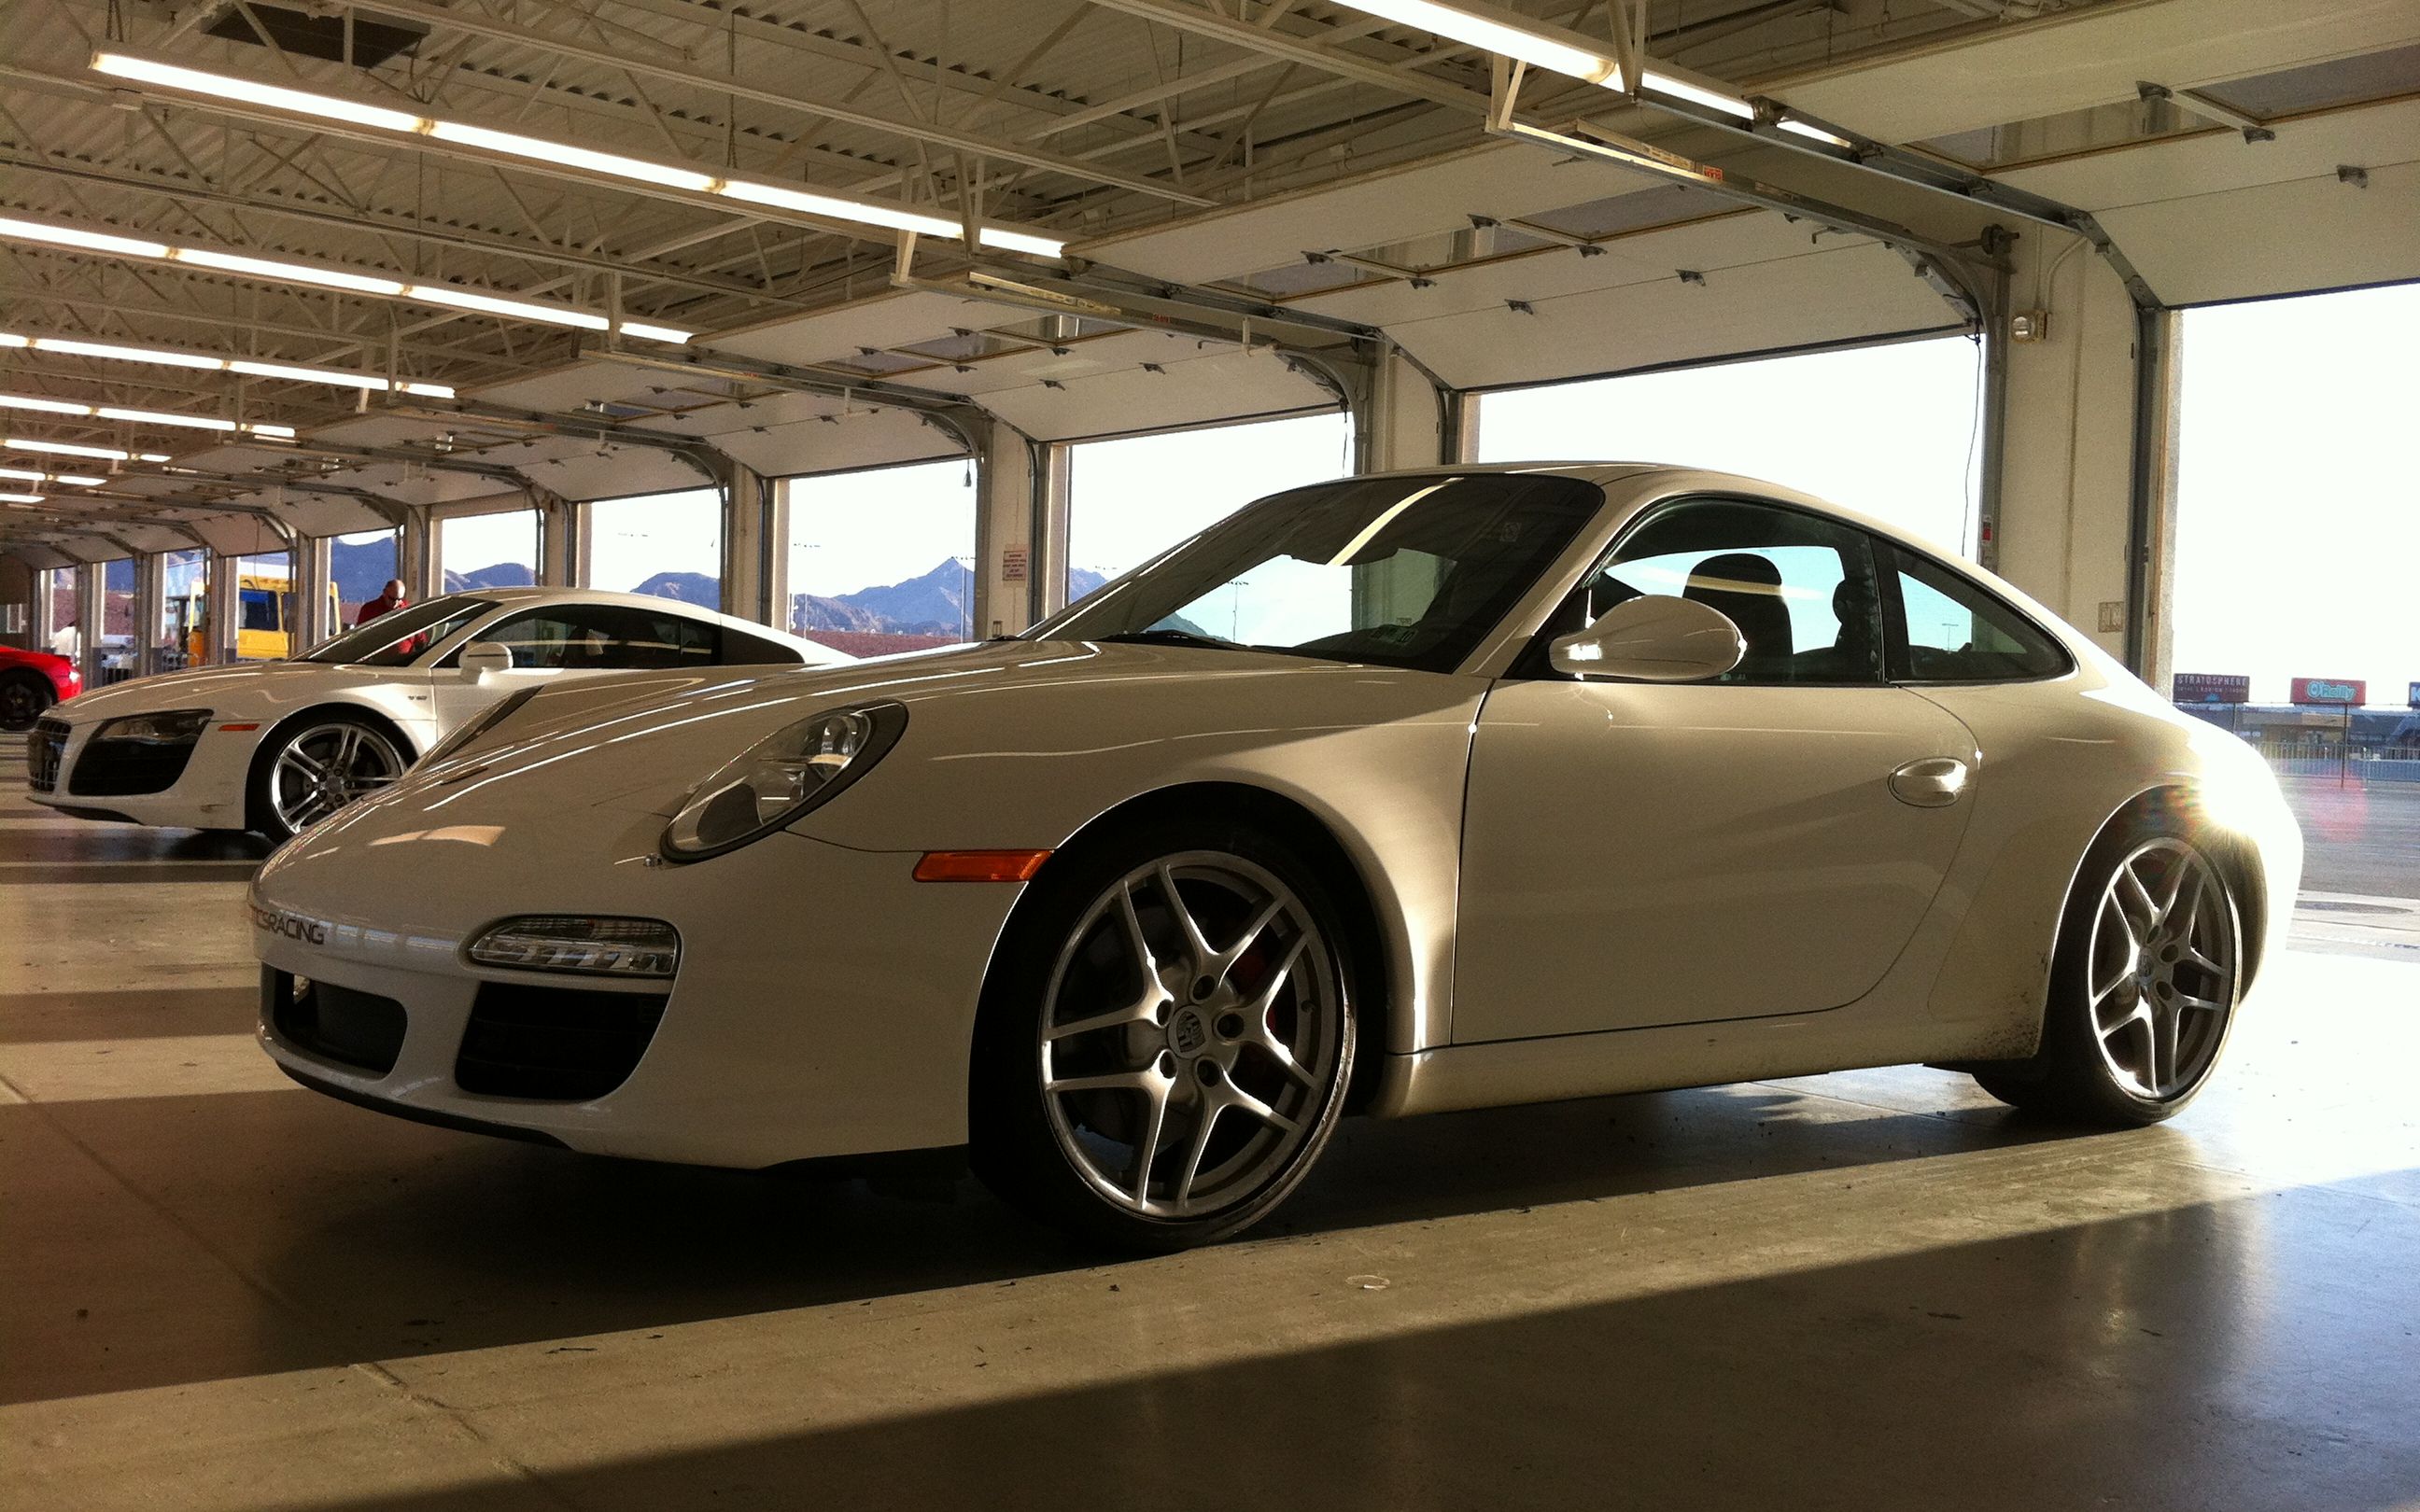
x,y
2223,1354
362,1238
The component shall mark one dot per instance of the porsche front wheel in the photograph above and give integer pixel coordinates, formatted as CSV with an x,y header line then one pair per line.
x,y
2144,989
1167,1045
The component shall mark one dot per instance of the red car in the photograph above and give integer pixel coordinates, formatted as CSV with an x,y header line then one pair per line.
x,y
32,681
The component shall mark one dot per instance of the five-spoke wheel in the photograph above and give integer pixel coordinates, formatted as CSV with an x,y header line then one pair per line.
x,y
2144,989
319,767
1185,1043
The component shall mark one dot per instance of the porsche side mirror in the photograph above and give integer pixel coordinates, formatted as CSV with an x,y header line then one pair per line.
x,y
482,660
1655,639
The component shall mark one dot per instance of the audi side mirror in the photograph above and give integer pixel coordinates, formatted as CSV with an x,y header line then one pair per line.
x,y
483,659
1655,639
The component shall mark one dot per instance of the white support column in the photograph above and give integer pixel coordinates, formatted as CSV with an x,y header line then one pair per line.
x,y
2067,450
777,553
1407,421
44,616
747,542
313,620
416,553
1049,590
92,622
558,549
150,607
1004,536
223,610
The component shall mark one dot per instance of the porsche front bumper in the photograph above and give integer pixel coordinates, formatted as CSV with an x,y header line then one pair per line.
x,y
824,1003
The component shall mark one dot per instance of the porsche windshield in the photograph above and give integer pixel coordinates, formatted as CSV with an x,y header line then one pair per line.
x,y
394,638
1401,572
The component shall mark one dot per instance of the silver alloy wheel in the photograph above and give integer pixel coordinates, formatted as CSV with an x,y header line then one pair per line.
x,y
323,767
1181,1076
2162,971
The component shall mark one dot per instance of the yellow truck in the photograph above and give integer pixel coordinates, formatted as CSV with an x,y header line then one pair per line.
x,y
264,623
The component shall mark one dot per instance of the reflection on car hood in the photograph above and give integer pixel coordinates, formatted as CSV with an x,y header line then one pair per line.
x,y
219,689
648,740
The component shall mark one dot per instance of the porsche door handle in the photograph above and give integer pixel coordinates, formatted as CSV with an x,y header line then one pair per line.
x,y
1933,783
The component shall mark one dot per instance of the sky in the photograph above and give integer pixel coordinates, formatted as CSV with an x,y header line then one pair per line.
x,y
860,530
1808,421
1131,499
630,540
2298,502
470,542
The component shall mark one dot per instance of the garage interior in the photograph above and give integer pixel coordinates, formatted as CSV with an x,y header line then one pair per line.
x,y
276,279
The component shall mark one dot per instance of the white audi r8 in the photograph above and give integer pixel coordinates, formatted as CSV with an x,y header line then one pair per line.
x,y
275,746
1394,794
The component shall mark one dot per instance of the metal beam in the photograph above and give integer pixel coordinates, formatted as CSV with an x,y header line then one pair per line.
x,y
1293,48
470,21
384,224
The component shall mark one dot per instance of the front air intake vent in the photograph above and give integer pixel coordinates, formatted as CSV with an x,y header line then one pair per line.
x,y
374,39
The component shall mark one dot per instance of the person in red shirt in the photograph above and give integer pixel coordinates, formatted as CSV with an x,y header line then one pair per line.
x,y
390,599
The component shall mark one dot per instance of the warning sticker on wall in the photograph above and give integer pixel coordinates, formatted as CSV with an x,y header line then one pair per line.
x,y
1012,563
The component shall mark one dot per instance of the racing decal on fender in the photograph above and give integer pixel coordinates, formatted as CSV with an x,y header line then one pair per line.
x,y
292,926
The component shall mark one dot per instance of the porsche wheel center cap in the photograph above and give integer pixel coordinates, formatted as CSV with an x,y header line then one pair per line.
x,y
1187,1032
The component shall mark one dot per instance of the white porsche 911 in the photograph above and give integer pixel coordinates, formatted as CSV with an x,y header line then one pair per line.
x,y
1396,793
275,746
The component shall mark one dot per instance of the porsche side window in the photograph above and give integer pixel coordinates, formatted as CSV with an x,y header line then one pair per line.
x,y
1800,588
1952,631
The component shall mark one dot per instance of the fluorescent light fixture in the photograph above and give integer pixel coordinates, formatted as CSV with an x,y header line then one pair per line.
x,y
1537,43
807,202
67,236
265,267
668,176
20,498
146,417
1008,241
169,356
516,146
463,299
1817,132
298,272
20,444
22,475
1700,94
219,87
641,328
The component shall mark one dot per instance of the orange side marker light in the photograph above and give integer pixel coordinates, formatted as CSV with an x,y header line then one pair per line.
x,y
980,866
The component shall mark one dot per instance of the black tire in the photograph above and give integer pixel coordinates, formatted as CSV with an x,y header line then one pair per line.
x,y
261,807
1046,1152
23,696
2101,1063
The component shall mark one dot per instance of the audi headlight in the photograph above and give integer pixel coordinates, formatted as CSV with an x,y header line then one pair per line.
x,y
171,727
780,778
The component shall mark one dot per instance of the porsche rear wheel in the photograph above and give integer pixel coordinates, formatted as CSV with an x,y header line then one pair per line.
x,y
2144,990
1166,1045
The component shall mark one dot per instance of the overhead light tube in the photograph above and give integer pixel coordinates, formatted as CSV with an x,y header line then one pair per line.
x,y
682,176
146,417
337,278
1490,29
106,454
203,362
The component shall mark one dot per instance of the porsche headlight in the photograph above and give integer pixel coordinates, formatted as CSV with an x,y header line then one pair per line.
x,y
172,727
780,778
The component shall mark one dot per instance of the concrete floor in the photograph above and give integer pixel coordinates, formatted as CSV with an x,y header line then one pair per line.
x,y
1869,1290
